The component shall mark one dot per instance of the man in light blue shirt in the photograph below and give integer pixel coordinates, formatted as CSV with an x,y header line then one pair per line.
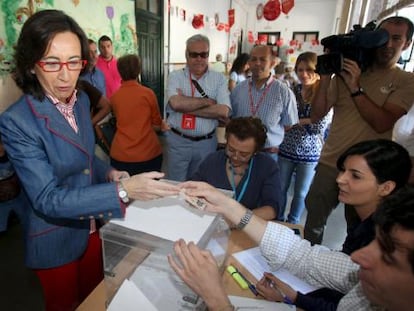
x,y
196,99
266,98
94,75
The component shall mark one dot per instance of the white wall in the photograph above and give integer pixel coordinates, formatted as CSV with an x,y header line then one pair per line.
x,y
182,30
240,27
306,15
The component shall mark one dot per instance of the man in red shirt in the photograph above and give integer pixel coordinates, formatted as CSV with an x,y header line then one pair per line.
x,y
107,63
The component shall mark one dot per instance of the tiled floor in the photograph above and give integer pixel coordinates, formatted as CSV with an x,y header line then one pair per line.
x,y
335,231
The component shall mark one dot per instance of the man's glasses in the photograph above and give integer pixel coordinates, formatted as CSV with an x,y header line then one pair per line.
x,y
54,66
235,154
201,54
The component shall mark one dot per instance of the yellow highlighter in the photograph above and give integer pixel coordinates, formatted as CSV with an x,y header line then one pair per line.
x,y
237,277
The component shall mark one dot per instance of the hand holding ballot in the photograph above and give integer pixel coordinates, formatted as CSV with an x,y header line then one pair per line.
x,y
214,197
230,209
145,186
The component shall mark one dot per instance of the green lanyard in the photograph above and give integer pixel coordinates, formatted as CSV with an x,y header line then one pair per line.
x,y
244,187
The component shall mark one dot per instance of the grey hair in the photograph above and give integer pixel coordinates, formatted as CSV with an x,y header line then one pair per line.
x,y
197,38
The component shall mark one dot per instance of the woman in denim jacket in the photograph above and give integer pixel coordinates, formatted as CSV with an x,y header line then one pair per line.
x,y
49,138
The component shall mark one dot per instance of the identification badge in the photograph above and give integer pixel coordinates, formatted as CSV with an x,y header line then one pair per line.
x,y
188,121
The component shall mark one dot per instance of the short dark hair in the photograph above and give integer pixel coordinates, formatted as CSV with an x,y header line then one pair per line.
x,y
104,38
400,20
387,160
36,34
129,67
394,210
248,127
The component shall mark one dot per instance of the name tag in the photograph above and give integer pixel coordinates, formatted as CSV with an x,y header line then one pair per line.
x,y
188,122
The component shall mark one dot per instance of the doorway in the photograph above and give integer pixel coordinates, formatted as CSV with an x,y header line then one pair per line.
x,y
149,25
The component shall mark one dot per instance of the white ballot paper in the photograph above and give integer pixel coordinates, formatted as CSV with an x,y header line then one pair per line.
x,y
244,303
130,298
256,264
169,218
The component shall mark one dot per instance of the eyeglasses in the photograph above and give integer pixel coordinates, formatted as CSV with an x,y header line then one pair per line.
x,y
201,54
241,156
54,66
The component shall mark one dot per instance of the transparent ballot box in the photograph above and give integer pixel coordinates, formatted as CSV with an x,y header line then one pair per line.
x,y
135,253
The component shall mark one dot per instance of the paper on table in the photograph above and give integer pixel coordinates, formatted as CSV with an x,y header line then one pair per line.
x,y
259,304
255,263
169,218
130,298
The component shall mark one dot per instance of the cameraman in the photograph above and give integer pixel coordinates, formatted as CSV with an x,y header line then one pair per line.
x,y
366,106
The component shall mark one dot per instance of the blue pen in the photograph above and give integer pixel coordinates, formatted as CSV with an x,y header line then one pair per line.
x,y
253,289
286,299
251,286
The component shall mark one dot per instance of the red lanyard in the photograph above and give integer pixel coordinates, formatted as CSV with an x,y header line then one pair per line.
x,y
255,107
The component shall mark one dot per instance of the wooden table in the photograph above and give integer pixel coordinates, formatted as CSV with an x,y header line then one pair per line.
x,y
238,241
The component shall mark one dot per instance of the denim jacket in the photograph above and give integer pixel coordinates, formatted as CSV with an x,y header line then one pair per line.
x,y
63,179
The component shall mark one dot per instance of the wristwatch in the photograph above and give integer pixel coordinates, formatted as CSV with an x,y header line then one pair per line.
x,y
357,93
122,193
244,220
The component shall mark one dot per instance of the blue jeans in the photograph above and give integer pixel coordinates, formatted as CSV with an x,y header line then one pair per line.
x,y
304,173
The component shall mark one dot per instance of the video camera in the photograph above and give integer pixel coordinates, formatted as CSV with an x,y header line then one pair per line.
x,y
359,45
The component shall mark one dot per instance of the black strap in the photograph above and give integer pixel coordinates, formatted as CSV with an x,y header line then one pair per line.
x,y
199,88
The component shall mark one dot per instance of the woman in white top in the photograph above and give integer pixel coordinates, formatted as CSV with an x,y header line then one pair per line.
x,y
239,70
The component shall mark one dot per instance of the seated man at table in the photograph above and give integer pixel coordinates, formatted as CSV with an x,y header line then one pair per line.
x,y
242,167
379,276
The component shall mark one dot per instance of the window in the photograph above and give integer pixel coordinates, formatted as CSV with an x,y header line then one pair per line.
x,y
148,5
268,38
305,36
141,4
